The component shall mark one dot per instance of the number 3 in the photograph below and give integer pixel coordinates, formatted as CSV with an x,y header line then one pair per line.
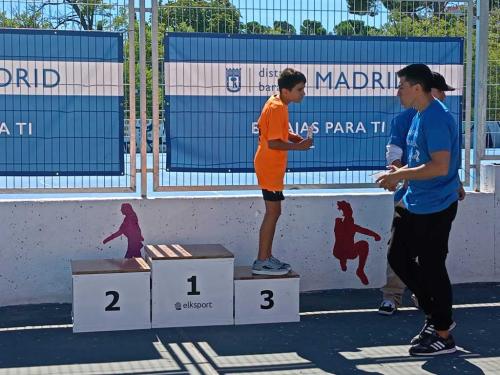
x,y
269,298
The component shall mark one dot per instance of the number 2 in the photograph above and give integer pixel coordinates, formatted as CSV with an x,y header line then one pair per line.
x,y
116,297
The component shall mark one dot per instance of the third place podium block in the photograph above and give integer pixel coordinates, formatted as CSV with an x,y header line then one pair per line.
x,y
192,285
265,299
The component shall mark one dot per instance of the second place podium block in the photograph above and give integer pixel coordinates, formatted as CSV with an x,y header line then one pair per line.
x,y
111,294
192,285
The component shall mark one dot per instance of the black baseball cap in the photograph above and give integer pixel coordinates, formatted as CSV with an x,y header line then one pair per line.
x,y
438,82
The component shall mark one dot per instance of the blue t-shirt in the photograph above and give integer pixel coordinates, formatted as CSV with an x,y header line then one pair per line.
x,y
400,125
432,130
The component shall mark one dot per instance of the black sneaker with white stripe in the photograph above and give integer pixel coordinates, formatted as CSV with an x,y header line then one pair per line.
x,y
427,330
434,345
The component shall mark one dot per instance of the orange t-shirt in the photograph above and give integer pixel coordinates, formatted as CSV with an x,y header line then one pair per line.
x,y
270,165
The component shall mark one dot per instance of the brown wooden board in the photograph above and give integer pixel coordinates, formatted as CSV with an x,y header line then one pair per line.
x,y
83,267
181,251
245,273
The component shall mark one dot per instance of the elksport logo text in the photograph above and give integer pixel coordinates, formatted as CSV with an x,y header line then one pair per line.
x,y
193,305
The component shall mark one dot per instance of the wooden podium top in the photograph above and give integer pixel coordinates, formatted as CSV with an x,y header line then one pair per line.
x,y
86,267
181,251
245,273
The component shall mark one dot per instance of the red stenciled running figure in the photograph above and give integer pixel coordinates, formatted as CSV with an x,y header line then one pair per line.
x,y
130,229
345,248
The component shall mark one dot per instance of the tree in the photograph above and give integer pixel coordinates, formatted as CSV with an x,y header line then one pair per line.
x,y
450,25
32,18
91,15
253,27
216,16
310,27
413,8
353,27
283,27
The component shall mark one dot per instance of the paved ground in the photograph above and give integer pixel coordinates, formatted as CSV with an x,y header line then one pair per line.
x,y
339,333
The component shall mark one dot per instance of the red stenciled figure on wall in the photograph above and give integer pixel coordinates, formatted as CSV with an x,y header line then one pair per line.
x,y
345,248
130,229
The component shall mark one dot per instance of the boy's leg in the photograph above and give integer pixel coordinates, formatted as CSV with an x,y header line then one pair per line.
x,y
268,228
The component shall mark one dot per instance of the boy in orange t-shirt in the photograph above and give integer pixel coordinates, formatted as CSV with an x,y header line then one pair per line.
x,y
275,140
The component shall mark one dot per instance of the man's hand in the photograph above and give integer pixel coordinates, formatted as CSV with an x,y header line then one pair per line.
x,y
461,193
389,181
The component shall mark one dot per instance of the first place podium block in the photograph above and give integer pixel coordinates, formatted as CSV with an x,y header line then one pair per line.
x,y
111,294
192,285
265,299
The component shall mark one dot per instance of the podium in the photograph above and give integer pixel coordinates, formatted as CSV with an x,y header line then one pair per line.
x,y
265,299
111,294
192,285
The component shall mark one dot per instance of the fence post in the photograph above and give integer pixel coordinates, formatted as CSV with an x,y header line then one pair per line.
x,y
468,90
143,99
156,120
131,80
480,91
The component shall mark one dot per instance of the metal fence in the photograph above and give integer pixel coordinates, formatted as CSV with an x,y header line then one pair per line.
x,y
312,18
80,150
144,64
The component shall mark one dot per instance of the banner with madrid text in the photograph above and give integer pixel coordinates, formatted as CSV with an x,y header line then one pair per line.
x,y
61,103
216,85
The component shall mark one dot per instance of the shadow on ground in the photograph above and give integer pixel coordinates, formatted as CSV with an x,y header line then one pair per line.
x,y
340,332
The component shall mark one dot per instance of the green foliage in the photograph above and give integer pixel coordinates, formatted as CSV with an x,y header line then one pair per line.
x,y
353,27
253,27
283,27
216,16
89,15
311,27
32,18
420,9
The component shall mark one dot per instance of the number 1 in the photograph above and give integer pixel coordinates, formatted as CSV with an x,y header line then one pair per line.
x,y
193,291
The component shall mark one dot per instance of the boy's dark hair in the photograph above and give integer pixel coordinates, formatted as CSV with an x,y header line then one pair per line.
x,y
418,74
289,78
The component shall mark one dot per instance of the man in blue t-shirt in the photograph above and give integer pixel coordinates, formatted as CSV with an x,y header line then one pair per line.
x,y
393,290
422,224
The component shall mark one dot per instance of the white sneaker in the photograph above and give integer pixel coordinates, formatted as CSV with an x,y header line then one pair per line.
x,y
282,264
387,307
266,267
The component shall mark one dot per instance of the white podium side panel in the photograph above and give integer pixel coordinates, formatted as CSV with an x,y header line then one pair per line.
x,y
192,292
114,301
266,300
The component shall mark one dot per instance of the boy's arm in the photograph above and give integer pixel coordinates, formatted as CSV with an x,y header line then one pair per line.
x,y
295,138
278,144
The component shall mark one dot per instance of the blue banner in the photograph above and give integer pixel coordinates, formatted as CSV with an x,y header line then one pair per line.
x,y
216,85
61,103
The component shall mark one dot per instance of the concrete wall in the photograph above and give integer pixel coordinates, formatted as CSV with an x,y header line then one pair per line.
x,y
39,238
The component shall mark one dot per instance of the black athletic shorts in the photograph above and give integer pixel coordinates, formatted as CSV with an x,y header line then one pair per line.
x,y
273,196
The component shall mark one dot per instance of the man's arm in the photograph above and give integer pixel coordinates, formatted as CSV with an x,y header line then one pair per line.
x,y
394,155
437,166
278,144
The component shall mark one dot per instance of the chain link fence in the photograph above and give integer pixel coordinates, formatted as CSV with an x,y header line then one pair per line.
x,y
348,19
311,19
